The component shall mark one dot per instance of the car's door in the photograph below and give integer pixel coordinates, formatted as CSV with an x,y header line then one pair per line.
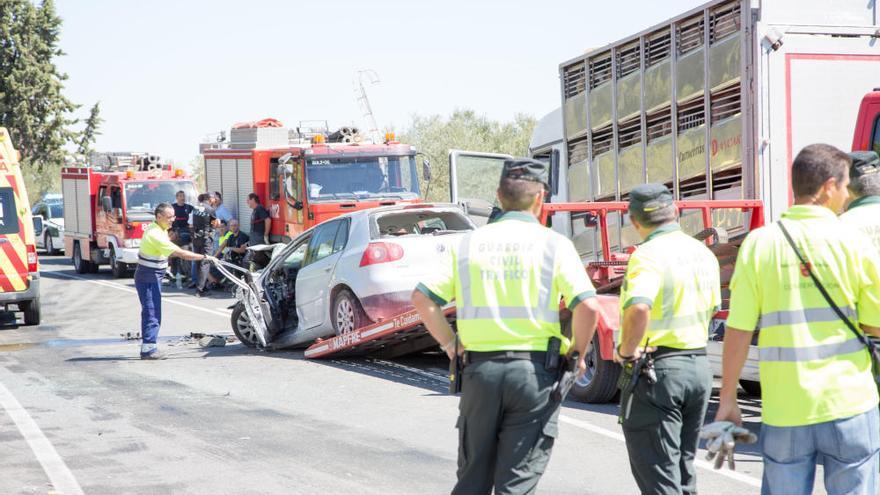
x,y
313,280
473,181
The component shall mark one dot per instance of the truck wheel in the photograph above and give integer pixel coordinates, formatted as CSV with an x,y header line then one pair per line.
x,y
31,310
599,383
753,389
79,264
118,268
241,326
347,314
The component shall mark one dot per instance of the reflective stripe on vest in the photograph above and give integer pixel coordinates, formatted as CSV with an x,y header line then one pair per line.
x,y
155,262
807,315
796,354
468,311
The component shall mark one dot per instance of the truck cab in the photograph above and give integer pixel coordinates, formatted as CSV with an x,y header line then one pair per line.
x,y
867,132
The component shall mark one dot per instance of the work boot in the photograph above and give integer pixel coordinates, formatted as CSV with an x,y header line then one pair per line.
x,y
154,356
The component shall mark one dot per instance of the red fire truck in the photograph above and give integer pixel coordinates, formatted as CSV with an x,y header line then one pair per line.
x,y
105,212
305,176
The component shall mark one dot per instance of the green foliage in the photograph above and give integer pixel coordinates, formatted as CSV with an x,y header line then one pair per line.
x,y
32,106
435,135
87,136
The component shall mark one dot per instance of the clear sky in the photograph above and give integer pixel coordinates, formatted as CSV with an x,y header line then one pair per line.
x,y
167,73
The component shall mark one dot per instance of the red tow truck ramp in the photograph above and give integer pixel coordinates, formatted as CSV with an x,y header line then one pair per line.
x,y
399,335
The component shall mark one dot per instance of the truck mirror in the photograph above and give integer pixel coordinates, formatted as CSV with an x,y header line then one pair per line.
x,y
38,225
298,205
284,158
288,176
106,204
426,170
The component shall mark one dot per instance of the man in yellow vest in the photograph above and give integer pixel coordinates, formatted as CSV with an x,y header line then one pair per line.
x,y
153,255
863,212
507,279
670,293
819,397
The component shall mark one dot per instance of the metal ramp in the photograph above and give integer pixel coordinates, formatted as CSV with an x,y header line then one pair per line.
x,y
402,334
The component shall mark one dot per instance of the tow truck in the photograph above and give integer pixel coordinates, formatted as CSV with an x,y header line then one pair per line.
x,y
107,209
307,174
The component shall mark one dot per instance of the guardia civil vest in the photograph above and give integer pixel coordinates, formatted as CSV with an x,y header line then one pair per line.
x,y
507,279
678,278
864,214
813,369
153,253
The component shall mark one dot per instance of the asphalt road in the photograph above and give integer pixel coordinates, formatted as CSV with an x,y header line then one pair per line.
x,y
82,414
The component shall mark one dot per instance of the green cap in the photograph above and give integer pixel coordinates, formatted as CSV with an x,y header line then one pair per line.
x,y
647,198
863,163
525,169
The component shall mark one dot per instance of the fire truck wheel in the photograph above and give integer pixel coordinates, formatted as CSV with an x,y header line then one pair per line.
x,y
118,268
241,326
599,383
79,264
31,310
753,389
347,313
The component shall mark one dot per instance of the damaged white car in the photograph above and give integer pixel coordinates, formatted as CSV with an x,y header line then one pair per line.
x,y
345,273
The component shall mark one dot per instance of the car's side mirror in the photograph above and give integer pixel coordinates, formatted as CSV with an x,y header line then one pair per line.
x,y
38,225
106,204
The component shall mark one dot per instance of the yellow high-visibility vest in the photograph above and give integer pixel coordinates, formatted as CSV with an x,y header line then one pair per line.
x,y
507,279
678,278
813,369
864,214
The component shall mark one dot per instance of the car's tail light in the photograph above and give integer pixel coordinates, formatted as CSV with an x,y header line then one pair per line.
x,y
33,266
381,252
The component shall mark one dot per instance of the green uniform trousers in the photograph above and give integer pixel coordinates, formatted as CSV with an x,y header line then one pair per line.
x,y
662,430
507,426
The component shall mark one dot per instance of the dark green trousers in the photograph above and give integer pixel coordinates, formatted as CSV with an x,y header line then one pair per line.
x,y
662,431
507,427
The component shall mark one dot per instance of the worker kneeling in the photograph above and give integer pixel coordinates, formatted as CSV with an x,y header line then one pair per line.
x,y
507,279
153,255
670,293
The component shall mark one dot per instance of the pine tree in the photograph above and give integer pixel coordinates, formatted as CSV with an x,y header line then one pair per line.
x,y
87,136
32,106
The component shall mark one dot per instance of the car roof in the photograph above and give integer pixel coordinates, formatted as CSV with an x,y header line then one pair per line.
x,y
406,207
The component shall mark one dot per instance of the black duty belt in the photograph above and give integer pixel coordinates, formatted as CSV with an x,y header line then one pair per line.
x,y
476,357
665,352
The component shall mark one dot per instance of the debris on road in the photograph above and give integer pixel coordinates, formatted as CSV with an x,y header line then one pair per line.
x,y
212,341
131,335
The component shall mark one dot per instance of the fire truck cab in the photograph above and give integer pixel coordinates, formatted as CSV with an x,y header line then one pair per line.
x,y
304,178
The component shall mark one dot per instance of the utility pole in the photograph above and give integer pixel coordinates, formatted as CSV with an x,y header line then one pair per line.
x,y
364,102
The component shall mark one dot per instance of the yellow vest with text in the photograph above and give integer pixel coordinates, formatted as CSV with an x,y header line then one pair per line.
x,y
507,279
864,214
813,369
678,278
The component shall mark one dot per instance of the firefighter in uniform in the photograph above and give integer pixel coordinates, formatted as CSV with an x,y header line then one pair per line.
x,y
508,279
670,293
818,396
153,255
863,212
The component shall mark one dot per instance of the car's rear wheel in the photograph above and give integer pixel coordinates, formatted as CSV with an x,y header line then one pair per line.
x,y
347,313
599,384
241,326
31,310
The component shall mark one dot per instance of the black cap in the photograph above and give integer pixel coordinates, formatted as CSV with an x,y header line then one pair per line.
x,y
525,169
863,163
647,198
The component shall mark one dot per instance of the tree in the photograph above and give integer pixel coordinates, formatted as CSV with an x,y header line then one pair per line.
x,y
197,170
32,106
434,136
87,136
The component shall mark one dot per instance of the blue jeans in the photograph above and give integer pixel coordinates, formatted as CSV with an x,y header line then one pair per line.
x,y
848,448
150,294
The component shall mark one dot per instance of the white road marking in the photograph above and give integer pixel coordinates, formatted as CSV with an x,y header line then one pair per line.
x,y
62,479
113,285
590,427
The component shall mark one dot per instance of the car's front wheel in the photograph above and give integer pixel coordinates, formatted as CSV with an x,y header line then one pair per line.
x,y
347,313
241,326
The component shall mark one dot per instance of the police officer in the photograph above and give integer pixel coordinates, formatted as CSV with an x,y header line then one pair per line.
x,y
507,279
863,212
670,293
819,398
153,255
